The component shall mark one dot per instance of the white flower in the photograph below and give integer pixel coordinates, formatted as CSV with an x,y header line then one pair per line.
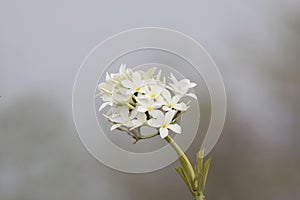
x,y
172,102
152,92
148,74
140,120
134,85
138,99
120,94
124,119
181,87
147,104
163,122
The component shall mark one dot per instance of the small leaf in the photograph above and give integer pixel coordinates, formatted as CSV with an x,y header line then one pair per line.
x,y
181,173
199,162
187,169
205,172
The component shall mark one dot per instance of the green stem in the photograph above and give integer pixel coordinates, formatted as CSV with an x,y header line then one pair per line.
x,y
148,136
182,157
199,197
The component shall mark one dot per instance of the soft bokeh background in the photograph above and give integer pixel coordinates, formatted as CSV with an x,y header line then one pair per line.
x,y
255,43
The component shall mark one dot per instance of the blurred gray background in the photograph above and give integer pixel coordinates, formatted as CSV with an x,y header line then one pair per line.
x,y
255,43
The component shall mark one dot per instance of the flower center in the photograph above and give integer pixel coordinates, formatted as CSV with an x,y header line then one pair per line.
x,y
149,108
164,125
138,88
153,95
170,105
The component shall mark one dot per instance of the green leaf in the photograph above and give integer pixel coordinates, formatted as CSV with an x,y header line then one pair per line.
x,y
187,169
179,170
205,172
181,173
199,162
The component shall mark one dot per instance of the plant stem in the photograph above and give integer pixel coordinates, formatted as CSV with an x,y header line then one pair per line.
x,y
182,157
199,197
148,136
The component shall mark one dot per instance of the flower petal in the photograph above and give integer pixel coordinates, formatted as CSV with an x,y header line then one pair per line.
x,y
192,85
167,95
163,132
175,127
113,127
169,116
175,99
135,124
103,105
136,77
141,117
128,84
117,119
124,112
191,95
173,79
154,123
166,108
142,109
157,114
180,106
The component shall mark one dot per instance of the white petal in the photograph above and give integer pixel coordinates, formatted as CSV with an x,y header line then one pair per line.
x,y
180,106
158,75
175,127
154,123
141,117
117,119
156,89
135,124
169,116
175,99
160,100
122,68
124,113
167,95
103,105
166,108
143,100
151,72
107,76
173,78
133,114
113,127
136,77
163,132
128,84
192,85
142,109
191,95
158,115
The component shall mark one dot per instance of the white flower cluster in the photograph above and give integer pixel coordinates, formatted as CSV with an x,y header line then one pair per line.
x,y
138,98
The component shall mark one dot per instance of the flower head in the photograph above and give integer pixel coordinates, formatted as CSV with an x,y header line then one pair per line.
x,y
140,98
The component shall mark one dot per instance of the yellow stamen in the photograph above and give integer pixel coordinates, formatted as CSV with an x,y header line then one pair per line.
x,y
170,105
164,125
153,95
149,108
138,88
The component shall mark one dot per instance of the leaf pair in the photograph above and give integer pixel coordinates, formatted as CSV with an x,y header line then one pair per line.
x,y
195,180
202,169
